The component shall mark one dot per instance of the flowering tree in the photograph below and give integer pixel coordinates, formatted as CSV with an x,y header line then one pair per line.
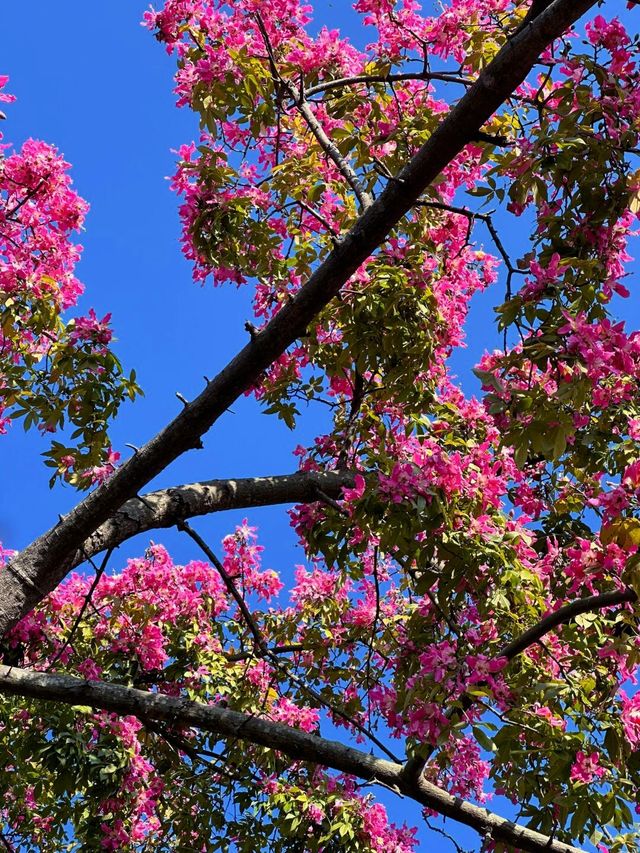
x,y
466,617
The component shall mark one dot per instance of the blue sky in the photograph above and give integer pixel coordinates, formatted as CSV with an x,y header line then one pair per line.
x,y
92,81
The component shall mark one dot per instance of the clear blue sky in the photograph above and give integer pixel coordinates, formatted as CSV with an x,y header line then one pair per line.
x,y
92,81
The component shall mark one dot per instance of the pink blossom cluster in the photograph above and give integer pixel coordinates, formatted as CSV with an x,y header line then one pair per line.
x,y
242,563
586,768
39,213
401,27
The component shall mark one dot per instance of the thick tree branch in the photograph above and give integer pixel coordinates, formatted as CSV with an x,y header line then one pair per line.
x,y
168,507
296,744
42,565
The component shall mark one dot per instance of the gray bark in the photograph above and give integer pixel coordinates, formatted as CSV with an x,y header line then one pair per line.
x,y
168,507
296,744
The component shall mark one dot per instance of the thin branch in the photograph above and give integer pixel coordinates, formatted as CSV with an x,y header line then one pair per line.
x,y
331,150
343,82
229,584
446,835
561,616
321,219
236,657
296,744
99,571
265,651
328,146
483,217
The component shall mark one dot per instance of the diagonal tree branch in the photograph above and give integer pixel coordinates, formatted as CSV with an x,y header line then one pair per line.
x,y
296,744
42,565
562,616
168,507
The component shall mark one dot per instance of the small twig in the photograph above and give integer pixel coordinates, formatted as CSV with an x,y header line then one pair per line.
x,y
28,196
229,584
321,219
374,626
483,217
327,145
99,571
237,657
393,788
264,649
446,835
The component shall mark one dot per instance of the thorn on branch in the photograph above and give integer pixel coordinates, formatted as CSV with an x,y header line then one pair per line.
x,y
253,330
133,447
182,399
486,841
394,788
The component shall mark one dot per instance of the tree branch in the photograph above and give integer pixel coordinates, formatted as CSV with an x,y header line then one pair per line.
x,y
326,143
42,565
341,82
296,744
561,616
168,507
262,650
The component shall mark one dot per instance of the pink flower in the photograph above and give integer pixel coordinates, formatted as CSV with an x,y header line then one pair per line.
x,y
630,717
548,715
355,493
481,668
90,669
586,768
315,814
89,328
